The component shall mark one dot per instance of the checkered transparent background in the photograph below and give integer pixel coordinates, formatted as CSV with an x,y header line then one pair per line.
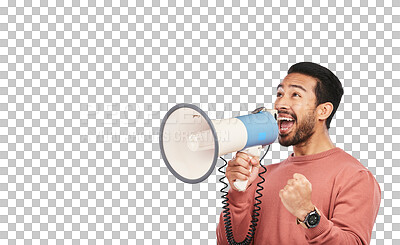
x,y
84,86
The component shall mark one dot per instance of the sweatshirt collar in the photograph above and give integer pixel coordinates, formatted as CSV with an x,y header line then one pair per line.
x,y
305,158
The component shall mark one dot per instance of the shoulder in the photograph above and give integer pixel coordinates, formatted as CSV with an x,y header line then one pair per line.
x,y
353,172
348,163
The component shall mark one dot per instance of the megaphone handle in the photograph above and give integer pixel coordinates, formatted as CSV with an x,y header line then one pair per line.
x,y
252,151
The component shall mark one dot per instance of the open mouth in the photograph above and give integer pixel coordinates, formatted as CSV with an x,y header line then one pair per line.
x,y
285,124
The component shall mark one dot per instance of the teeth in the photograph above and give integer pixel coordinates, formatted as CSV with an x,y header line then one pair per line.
x,y
285,119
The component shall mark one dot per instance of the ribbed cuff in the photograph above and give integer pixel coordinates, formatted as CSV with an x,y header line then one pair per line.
x,y
324,225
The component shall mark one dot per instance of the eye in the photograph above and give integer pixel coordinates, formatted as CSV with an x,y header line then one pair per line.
x,y
279,94
296,95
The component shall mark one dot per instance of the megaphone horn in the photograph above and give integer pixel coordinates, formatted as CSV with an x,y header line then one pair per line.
x,y
190,142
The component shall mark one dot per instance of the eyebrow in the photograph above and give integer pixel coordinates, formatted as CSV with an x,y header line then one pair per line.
x,y
293,85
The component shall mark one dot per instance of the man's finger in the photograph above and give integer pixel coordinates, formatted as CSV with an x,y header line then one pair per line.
x,y
241,162
240,169
243,155
281,193
298,176
255,160
291,181
236,162
234,175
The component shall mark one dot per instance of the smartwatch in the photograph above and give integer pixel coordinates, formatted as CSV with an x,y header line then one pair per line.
x,y
312,219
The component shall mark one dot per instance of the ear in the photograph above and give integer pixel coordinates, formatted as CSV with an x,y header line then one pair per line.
x,y
324,110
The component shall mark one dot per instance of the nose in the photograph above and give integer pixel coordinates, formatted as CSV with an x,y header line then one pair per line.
x,y
281,104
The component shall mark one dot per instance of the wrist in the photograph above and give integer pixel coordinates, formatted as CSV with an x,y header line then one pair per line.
x,y
311,220
301,215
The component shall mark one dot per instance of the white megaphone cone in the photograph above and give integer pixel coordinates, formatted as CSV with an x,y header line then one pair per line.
x,y
191,143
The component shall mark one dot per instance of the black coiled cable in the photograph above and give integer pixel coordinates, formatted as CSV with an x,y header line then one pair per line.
x,y
257,208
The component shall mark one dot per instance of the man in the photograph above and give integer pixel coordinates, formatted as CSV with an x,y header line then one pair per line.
x,y
319,194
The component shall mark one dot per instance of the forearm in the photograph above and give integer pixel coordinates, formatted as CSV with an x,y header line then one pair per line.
x,y
353,218
327,233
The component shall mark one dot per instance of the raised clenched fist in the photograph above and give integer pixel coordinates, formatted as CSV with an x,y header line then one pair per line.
x,y
296,196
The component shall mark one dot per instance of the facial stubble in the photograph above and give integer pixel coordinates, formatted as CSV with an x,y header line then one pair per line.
x,y
303,133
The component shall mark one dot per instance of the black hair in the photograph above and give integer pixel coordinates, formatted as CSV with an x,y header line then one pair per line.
x,y
328,88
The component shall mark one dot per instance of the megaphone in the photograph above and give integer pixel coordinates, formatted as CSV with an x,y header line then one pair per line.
x,y
190,142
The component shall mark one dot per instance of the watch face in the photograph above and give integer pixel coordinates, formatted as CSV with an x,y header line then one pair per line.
x,y
313,219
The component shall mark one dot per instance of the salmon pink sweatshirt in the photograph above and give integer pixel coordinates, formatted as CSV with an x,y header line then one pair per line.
x,y
344,191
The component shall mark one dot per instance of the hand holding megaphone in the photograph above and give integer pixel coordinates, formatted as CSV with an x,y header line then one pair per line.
x,y
242,170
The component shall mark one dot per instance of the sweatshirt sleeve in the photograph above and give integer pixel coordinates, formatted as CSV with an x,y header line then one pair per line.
x,y
241,206
356,207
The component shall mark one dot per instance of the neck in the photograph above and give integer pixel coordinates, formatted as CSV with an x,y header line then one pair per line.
x,y
317,143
